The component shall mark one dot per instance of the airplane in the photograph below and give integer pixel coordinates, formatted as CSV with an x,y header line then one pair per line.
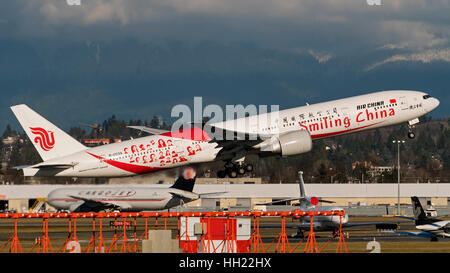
x,y
126,198
321,222
291,132
431,227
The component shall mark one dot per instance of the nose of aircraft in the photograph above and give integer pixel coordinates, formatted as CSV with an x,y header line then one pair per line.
x,y
430,103
51,198
54,198
434,103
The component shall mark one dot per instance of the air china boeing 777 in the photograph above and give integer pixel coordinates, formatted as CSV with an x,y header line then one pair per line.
x,y
291,132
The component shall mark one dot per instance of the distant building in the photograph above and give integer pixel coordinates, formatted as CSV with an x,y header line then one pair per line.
x,y
245,196
365,164
10,140
8,144
379,170
99,141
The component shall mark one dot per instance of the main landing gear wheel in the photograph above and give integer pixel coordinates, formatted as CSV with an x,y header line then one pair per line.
x,y
232,173
234,170
240,170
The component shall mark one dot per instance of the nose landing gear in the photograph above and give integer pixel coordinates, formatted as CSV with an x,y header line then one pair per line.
x,y
411,126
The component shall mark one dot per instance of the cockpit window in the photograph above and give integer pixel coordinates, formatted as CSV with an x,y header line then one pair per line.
x,y
426,97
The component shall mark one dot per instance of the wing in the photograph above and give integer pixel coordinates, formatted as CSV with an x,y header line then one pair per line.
x,y
278,201
232,142
293,199
149,130
91,204
412,233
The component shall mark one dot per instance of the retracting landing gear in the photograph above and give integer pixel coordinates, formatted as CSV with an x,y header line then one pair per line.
x,y
411,126
234,170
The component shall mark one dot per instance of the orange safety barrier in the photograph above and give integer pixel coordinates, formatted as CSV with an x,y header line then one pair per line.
x,y
256,239
14,240
229,244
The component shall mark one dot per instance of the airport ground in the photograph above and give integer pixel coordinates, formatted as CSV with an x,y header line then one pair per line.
x,y
356,238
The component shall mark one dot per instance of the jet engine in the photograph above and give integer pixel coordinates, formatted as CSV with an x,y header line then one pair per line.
x,y
290,143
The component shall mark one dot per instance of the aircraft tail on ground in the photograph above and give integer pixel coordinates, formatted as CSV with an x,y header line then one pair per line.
x,y
50,141
419,213
185,181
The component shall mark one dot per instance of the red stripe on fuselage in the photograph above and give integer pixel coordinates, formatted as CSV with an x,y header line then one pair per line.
x,y
137,169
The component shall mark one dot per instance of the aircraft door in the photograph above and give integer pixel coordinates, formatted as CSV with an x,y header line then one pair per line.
x,y
403,103
102,162
178,153
345,113
178,143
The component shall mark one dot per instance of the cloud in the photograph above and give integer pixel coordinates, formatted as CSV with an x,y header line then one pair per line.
x,y
321,57
323,25
413,35
87,13
427,56
411,41
325,29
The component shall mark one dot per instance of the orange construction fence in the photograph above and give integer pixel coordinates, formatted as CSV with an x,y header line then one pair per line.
x,y
122,242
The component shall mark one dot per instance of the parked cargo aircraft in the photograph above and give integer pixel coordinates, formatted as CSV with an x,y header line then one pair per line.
x,y
430,227
290,133
321,222
126,198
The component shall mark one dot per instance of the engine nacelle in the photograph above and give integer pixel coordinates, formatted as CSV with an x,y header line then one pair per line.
x,y
291,143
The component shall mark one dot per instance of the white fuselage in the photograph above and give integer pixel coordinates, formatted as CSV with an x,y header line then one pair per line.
x,y
440,228
156,152
340,116
123,198
325,222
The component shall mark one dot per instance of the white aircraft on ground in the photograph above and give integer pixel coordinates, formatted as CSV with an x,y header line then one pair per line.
x,y
126,198
430,227
290,133
321,222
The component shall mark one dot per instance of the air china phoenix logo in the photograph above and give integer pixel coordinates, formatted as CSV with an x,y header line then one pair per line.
x,y
44,138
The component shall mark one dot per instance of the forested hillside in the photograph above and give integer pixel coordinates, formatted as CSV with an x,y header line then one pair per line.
x,y
340,159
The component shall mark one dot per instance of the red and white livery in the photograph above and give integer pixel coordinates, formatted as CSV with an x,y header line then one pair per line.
x,y
287,132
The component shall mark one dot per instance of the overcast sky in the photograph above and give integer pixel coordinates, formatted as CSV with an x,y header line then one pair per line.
x,y
310,50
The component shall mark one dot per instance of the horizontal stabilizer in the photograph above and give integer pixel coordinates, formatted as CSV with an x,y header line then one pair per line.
x,y
212,193
54,166
21,167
